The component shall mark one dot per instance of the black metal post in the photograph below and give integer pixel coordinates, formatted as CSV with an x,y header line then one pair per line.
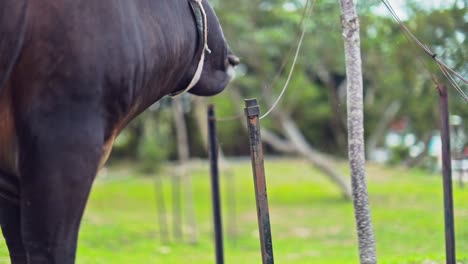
x,y
447,176
252,111
215,193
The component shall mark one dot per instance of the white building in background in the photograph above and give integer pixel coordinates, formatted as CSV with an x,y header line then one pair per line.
x,y
400,136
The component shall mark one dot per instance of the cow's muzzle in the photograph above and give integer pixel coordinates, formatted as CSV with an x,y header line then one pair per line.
x,y
233,60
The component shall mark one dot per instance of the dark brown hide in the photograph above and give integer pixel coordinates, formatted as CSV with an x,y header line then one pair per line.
x,y
73,73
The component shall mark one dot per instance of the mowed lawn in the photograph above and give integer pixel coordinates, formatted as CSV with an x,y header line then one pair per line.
x,y
311,223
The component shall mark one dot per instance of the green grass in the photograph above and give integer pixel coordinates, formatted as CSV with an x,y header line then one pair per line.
x,y
310,221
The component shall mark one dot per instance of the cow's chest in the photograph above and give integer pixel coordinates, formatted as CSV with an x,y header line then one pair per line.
x,y
8,139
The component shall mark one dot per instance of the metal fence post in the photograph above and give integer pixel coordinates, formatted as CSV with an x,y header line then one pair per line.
x,y
447,176
252,111
215,193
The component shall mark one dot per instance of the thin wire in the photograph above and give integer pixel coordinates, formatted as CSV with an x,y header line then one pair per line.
x,y
291,49
409,36
451,70
395,16
299,36
444,68
229,118
453,82
293,64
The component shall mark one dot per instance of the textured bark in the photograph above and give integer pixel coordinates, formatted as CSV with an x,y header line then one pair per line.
x,y
184,155
350,23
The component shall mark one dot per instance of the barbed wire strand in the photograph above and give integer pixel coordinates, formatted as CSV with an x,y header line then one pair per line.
x,y
451,70
229,118
453,82
445,69
409,36
298,49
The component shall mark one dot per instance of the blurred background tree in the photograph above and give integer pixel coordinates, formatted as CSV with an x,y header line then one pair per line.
x,y
400,97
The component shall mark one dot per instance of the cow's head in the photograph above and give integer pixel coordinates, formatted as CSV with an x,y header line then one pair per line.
x,y
219,62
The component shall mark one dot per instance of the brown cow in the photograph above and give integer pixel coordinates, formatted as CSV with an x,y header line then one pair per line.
x,y
73,73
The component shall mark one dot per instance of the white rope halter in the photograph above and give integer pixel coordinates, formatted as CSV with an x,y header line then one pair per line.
x,y
198,72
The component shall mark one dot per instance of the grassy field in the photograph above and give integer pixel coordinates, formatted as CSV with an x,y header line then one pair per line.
x,y
310,221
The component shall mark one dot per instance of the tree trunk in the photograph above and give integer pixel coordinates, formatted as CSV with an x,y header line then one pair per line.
x,y
350,22
199,108
296,143
184,155
225,168
161,209
317,159
379,132
202,123
338,122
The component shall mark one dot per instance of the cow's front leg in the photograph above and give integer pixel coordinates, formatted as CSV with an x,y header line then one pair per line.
x,y
11,228
59,155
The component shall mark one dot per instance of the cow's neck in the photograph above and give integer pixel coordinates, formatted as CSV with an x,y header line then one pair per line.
x,y
201,24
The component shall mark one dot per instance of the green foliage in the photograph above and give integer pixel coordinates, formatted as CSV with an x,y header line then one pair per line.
x,y
399,155
393,68
263,33
232,138
154,146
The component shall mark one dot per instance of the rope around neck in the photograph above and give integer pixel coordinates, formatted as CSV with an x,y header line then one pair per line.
x,y
198,72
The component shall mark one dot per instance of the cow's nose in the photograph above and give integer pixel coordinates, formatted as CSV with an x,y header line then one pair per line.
x,y
233,60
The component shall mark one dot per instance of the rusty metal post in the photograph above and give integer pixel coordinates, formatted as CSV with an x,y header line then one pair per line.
x,y
447,176
215,193
252,111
